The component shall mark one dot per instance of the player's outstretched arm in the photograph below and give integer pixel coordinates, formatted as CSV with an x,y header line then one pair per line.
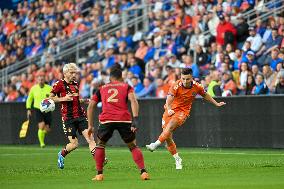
x,y
210,99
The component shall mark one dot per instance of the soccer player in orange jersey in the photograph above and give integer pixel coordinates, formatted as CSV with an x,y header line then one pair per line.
x,y
177,109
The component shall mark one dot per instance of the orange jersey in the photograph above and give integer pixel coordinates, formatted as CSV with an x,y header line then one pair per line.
x,y
183,97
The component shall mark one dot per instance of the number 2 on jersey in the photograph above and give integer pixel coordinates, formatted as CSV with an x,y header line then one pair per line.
x,y
114,93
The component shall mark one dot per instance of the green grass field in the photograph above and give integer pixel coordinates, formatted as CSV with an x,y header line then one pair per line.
x,y
31,167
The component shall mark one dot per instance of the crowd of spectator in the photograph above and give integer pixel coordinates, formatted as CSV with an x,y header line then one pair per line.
x,y
235,58
36,25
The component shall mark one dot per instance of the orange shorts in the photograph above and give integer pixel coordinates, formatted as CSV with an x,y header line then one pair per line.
x,y
179,117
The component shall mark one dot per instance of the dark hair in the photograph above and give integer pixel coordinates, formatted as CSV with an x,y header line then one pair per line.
x,y
116,72
266,64
261,75
142,40
14,87
116,66
103,73
135,77
186,71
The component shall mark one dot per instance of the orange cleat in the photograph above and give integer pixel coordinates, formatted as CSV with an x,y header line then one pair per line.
x,y
145,176
99,177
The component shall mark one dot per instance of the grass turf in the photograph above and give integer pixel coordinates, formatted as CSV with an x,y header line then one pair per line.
x,y
32,167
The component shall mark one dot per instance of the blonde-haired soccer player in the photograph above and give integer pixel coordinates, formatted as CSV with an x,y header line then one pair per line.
x,y
66,91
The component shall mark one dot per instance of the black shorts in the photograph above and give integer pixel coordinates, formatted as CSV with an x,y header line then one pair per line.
x,y
70,127
43,117
105,131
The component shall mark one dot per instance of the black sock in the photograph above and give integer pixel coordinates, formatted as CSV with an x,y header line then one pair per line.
x,y
64,152
143,170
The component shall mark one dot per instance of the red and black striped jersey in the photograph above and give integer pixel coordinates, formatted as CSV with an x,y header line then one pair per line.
x,y
114,98
69,109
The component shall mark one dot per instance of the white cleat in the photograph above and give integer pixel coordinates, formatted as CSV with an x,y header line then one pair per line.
x,y
178,163
151,147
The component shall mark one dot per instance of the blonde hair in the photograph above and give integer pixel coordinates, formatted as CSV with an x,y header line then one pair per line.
x,y
70,66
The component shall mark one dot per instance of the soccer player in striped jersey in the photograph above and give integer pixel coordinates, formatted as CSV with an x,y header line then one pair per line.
x,y
66,91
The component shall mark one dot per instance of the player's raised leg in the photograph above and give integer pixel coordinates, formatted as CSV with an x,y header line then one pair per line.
x,y
167,132
171,146
72,145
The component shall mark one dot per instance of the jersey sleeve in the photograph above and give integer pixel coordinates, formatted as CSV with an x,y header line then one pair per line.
x,y
30,99
173,90
201,90
130,89
97,96
56,88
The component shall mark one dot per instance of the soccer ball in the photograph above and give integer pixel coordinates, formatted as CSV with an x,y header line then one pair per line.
x,y
47,105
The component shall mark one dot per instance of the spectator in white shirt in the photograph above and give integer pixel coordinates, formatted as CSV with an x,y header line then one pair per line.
x,y
213,22
254,39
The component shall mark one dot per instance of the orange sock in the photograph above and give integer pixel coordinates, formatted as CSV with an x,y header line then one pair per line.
x,y
172,148
164,136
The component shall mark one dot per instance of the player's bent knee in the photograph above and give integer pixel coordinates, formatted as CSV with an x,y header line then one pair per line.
x,y
131,145
169,142
172,125
129,139
100,144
